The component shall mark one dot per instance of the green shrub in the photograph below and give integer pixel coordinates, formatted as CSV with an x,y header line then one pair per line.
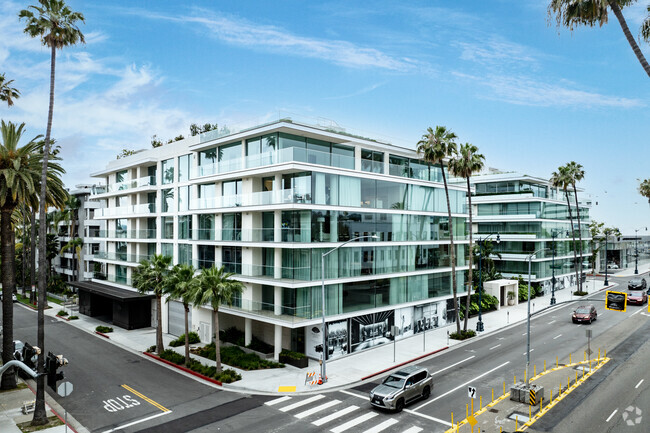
x,y
463,335
579,293
172,356
180,341
228,376
232,335
104,329
488,303
151,349
236,357
292,355
73,317
62,313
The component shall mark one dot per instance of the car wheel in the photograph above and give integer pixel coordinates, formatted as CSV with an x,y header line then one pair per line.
x,y
400,405
590,321
426,392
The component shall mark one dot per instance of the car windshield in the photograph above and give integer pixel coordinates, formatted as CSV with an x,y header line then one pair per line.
x,y
394,381
636,293
635,282
583,310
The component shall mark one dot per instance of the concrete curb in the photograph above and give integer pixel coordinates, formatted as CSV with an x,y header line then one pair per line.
x,y
182,368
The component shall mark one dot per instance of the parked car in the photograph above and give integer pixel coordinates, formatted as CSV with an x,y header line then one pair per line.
x,y
13,297
637,297
637,284
612,266
584,313
401,388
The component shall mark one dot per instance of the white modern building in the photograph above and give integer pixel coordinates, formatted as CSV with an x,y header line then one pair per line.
x,y
266,202
530,216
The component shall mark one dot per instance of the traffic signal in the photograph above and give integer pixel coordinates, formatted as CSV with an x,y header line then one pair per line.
x,y
318,348
30,354
615,301
52,363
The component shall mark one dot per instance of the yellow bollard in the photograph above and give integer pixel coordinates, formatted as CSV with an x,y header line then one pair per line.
x,y
492,396
516,423
541,404
535,370
544,365
568,382
583,374
452,420
480,402
504,387
551,396
466,410
585,355
599,354
560,388
472,406
515,379
557,362
530,412
576,382
569,358
525,375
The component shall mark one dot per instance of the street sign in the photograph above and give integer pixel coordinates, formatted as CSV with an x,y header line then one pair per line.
x,y
471,392
615,301
64,389
588,333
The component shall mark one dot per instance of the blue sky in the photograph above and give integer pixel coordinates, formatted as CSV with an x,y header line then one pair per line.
x,y
500,74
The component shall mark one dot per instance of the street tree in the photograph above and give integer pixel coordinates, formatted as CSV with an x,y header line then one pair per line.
x,y
465,164
435,147
216,287
56,25
573,13
75,245
8,93
577,173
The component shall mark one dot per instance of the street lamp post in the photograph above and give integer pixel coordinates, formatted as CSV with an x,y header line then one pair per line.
x,y
606,236
324,330
481,243
636,253
553,300
530,259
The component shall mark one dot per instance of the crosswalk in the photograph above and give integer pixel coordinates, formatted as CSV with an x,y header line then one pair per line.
x,y
335,416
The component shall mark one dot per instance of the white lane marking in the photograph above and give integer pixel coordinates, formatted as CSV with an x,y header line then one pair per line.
x,y
637,311
610,417
452,365
579,325
461,386
557,336
383,426
639,384
278,400
335,415
448,424
317,409
302,403
500,338
414,429
528,352
354,394
137,422
524,333
494,347
552,322
352,423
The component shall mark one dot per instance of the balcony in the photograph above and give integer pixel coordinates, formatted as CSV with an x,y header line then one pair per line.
x,y
126,185
263,309
263,198
119,279
126,211
127,234
121,257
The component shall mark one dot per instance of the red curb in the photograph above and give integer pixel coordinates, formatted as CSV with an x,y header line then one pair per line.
x,y
185,369
102,334
404,363
64,318
53,411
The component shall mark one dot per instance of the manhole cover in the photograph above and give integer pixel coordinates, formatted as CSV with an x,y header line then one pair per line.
x,y
493,410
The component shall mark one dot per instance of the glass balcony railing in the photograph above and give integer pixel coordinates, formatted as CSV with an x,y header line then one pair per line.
x,y
140,209
127,184
243,235
289,314
126,234
121,257
120,279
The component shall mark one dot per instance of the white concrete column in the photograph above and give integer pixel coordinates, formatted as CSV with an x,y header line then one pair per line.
x,y
277,226
277,300
277,263
277,342
248,331
357,158
387,163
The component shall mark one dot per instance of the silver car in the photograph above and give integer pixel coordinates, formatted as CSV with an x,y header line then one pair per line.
x,y
401,388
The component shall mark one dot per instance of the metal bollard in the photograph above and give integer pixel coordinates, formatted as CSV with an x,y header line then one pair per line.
x,y
545,366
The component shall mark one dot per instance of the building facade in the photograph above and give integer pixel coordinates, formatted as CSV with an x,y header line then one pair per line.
x,y
531,216
266,203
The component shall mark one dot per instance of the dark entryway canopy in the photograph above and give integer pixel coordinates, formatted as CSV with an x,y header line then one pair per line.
x,y
124,308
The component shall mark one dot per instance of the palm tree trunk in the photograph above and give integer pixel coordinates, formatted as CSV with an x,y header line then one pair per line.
x,y
159,339
187,335
8,285
32,257
575,192
40,416
24,251
573,236
452,254
217,346
629,37
471,259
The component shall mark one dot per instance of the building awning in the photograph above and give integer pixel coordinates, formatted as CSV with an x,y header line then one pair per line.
x,y
111,292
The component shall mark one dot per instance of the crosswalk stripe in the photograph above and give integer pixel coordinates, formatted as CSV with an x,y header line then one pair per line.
x,y
278,400
317,409
383,426
302,403
335,415
352,423
414,429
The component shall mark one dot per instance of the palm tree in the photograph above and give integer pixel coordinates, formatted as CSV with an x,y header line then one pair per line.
x,y
153,276
183,285
434,147
645,27
19,169
562,179
7,93
572,13
56,25
72,206
577,174
75,244
215,287
468,162
644,189
595,230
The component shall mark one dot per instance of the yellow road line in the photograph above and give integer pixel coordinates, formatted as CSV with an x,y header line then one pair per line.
x,y
145,398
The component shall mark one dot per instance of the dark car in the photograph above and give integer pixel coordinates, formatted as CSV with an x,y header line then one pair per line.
x,y
584,313
637,284
638,297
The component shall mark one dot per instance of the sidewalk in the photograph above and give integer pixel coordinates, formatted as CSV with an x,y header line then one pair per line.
x,y
341,372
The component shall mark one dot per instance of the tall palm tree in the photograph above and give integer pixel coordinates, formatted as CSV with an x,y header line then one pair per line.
x,y
435,147
8,93
75,244
468,162
183,285
577,174
215,288
562,178
572,13
57,27
645,27
72,206
19,170
152,276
